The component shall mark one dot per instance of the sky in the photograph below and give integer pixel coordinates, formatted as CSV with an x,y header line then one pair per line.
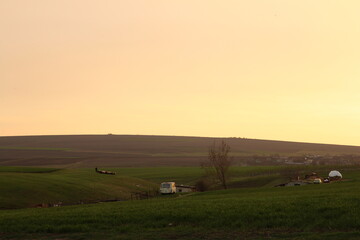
x,y
265,69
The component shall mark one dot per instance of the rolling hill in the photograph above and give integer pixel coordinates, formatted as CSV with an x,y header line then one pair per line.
x,y
138,150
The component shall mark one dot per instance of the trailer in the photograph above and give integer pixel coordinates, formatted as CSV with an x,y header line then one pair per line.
x,y
167,188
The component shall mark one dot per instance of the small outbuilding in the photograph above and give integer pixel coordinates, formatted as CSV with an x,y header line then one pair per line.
x,y
185,188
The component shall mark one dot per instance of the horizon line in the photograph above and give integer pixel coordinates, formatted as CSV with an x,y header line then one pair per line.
x,y
160,135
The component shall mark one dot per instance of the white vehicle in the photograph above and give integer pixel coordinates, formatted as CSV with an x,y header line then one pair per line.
x,y
167,188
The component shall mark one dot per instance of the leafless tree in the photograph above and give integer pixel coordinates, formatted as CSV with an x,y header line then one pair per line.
x,y
218,162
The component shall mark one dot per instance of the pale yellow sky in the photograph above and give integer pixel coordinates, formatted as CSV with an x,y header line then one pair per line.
x,y
286,70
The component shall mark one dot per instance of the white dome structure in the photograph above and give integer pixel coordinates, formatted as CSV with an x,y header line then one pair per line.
x,y
335,174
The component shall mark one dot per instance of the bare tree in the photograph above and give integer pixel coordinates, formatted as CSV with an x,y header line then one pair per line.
x,y
218,162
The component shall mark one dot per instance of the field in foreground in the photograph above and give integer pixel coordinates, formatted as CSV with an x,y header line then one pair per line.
x,y
328,211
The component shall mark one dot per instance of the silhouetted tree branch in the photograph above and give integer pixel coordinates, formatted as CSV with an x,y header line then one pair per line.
x,y
218,162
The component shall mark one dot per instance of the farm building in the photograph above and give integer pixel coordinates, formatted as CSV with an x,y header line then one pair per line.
x,y
185,188
298,181
335,175
312,178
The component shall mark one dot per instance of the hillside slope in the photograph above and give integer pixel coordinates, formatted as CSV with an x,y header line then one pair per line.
x,y
137,150
29,187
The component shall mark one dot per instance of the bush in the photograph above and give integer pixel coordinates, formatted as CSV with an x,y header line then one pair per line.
x,y
202,185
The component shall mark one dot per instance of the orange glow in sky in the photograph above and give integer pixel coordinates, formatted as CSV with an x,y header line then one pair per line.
x,y
270,69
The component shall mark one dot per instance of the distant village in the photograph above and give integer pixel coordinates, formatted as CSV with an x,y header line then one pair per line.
x,y
307,159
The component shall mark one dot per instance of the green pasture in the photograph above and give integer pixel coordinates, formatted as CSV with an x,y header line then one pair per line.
x,y
309,212
28,186
251,209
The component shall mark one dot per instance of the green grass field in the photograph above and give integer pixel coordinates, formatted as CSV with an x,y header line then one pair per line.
x,y
253,210
71,186
29,186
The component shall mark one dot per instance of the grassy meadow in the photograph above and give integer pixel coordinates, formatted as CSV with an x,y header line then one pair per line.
x,y
30,186
251,209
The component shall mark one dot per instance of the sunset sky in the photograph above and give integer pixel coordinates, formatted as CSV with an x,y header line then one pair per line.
x,y
271,69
